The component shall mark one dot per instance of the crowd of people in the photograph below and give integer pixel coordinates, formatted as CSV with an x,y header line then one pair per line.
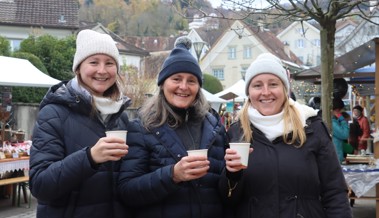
x,y
77,171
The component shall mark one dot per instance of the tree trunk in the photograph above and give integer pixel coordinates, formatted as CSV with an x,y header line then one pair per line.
x,y
327,70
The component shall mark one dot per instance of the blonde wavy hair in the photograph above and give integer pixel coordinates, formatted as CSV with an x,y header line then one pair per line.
x,y
291,117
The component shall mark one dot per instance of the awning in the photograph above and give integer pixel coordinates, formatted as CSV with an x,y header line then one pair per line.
x,y
20,72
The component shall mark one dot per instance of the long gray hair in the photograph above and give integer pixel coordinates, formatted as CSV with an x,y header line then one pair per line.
x,y
156,111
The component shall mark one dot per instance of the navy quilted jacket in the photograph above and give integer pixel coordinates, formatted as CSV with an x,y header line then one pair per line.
x,y
146,183
61,176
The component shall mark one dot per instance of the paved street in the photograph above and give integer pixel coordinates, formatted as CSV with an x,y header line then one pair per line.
x,y
361,209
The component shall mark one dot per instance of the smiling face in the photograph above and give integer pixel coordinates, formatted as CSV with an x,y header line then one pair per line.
x,y
266,94
180,89
98,72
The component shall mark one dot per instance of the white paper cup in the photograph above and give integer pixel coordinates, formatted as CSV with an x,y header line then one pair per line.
x,y
117,133
242,150
198,152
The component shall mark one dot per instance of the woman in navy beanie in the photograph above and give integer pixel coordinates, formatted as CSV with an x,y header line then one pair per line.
x,y
157,177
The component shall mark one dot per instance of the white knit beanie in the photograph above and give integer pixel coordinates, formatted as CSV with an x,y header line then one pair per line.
x,y
89,42
266,63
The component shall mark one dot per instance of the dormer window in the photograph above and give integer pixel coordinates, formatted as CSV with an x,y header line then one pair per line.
x,y
62,19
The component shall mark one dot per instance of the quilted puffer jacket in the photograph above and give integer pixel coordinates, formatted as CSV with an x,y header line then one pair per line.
x,y
146,173
61,175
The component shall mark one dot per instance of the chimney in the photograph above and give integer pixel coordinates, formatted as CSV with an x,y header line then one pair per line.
x,y
287,49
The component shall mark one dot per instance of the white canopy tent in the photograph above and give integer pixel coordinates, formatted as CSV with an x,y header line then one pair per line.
x,y
214,100
20,72
236,91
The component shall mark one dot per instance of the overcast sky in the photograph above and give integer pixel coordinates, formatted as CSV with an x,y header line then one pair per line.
x,y
215,3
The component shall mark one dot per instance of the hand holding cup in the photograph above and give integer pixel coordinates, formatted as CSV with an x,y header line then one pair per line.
x,y
110,148
237,156
191,167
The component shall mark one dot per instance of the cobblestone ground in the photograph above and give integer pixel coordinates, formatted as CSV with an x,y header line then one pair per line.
x,y
361,209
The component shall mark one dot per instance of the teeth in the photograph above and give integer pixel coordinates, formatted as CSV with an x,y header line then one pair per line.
x,y
266,101
101,79
182,95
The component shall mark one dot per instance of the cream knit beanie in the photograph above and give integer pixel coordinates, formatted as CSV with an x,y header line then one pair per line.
x,y
266,63
89,42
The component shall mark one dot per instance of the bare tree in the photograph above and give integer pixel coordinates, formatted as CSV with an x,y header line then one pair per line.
x,y
137,86
325,12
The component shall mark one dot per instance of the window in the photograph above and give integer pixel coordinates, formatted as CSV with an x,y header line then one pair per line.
x,y
243,71
232,53
318,60
15,44
218,73
316,42
300,43
247,52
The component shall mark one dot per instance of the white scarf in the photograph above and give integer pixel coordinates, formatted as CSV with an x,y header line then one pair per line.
x,y
273,126
107,106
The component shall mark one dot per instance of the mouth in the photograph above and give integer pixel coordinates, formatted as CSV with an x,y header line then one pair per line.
x,y
182,95
100,79
266,100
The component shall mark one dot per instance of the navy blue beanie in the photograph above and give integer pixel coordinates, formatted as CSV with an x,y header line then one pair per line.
x,y
180,60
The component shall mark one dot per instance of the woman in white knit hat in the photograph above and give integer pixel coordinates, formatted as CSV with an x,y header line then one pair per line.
x,y
293,170
73,165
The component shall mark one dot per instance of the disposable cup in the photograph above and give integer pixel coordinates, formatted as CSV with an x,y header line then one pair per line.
x,y
198,152
117,133
242,150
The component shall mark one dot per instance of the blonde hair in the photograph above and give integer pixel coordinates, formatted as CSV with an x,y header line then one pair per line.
x,y
291,117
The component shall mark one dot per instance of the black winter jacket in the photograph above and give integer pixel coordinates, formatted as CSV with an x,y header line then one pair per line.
x,y
283,181
146,173
61,175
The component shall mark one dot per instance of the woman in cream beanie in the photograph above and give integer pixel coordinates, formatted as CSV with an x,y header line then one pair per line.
x,y
73,165
292,157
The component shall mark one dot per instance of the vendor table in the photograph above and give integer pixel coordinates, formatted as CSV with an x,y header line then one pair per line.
x,y
13,164
361,178
17,183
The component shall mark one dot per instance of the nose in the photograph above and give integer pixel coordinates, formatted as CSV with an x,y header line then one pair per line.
x,y
265,90
101,68
183,85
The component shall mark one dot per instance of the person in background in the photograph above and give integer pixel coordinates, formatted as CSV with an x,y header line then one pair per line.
x,y
226,118
350,146
73,166
365,126
293,170
315,103
354,131
340,127
157,177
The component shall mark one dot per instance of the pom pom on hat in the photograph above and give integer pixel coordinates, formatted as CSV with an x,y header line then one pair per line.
x,y
180,60
266,63
89,42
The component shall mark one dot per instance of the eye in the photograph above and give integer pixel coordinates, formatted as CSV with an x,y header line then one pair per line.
x,y
176,79
274,84
192,81
256,86
110,63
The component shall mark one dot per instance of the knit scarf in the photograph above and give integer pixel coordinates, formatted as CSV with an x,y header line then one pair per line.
x,y
106,106
273,126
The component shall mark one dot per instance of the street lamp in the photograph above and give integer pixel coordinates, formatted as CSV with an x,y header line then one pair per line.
x,y
198,47
243,74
